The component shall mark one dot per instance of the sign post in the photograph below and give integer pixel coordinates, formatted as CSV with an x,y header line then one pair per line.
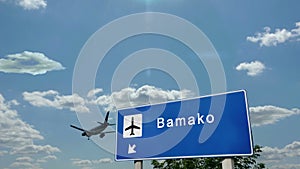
x,y
210,126
138,164
228,163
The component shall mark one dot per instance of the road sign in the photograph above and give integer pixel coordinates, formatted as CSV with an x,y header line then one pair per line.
x,y
210,126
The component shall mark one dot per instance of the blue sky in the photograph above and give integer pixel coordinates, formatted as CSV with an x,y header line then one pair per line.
x,y
41,42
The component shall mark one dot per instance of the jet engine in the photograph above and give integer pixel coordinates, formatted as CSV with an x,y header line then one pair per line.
x,y
84,134
102,135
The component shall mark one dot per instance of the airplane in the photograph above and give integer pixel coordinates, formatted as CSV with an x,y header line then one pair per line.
x,y
96,130
132,126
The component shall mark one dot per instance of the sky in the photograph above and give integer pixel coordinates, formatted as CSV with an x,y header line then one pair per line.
x,y
68,62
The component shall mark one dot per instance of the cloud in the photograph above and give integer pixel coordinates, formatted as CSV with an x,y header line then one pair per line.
x,y
265,115
14,131
92,93
268,38
28,62
102,160
17,138
32,4
128,97
273,156
90,163
29,4
29,162
3,152
146,94
25,165
46,158
81,163
53,99
253,68
286,166
34,149
120,99
28,159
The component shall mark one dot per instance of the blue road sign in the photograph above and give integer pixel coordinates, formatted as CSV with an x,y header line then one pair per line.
x,y
210,126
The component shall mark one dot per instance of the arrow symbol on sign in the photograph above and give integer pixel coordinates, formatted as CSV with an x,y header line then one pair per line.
x,y
131,149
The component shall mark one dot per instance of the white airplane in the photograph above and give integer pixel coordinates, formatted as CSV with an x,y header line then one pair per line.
x,y
96,130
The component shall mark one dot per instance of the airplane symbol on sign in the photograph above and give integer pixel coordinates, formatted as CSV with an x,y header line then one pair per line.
x,y
132,126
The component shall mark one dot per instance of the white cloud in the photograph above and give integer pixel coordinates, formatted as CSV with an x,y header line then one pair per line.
x,y
268,38
74,102
264,115
102,160
40,99
46,158
28,62
32,4
90,163
28,4
146,94
124,98
260,115
92,93
14,131
25,165
17,138
286,166
3,152
29,162
81,163
28,159
274,156
52,98
34,149
253,68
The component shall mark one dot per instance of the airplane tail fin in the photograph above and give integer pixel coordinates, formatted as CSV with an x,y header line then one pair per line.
x,y
106,117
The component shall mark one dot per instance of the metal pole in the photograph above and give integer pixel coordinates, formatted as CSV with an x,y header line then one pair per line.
x,y
138,164
228,163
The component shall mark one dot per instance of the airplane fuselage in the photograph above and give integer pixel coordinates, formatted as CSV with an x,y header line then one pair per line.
x,y
96,130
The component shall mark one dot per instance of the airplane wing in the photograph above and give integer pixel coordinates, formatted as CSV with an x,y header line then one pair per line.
x,y
103,123
77,128
109,132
